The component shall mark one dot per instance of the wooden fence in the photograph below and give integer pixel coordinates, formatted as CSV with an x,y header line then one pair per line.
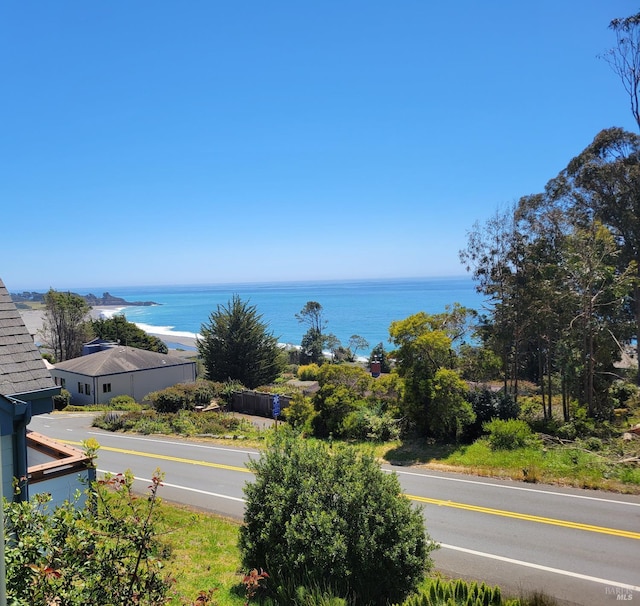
x,y
256,402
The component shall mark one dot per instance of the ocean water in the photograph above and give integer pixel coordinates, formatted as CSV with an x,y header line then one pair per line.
x,y
362,307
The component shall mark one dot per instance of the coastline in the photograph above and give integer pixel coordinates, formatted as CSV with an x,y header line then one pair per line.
x,y
34,321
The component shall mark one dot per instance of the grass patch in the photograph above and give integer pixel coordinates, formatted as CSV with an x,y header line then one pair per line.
x,y
414,451
203,555
568,464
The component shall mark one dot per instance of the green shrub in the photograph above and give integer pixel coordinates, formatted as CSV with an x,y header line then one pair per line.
x,y
592,443
148,426
168,400
332,516
623,394
124,403
508,434
108,554
300,412
308,372
457,593
370,423
186,396
184,422
488,405
61,401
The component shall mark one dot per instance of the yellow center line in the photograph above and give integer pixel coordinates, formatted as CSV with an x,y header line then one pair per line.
x,y
151,455
627,534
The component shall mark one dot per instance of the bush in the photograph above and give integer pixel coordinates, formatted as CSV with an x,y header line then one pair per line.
x,y
332,517
61,401
624,394
124,403
108,554
300,412
488,405
184,422
186,396
308,372
456,592
168,400
370,423
508,435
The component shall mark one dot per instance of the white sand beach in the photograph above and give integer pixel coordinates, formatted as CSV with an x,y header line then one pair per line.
x,y
34,320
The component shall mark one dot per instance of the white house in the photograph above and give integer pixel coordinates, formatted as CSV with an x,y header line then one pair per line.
x,y
97,377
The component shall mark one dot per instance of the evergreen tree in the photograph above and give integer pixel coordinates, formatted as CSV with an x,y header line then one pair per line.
x,y
331,518
237,346
126,333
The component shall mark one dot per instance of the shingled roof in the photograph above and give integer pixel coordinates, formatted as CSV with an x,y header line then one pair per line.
x,y
117,360
22,369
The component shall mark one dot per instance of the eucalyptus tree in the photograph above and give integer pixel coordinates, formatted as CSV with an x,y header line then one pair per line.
x,y
65,327
494,255
598,289
605,180
546,229
624,58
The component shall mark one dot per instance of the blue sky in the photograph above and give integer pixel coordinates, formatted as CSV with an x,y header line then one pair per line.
x,y
149,143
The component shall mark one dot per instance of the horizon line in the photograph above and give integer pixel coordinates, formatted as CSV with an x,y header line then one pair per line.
x,y
245,283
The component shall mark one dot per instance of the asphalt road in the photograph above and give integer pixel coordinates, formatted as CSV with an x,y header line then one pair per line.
x,y
582,547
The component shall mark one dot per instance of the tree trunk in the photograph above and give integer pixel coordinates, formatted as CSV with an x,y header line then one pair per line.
x,y
550,394
636,306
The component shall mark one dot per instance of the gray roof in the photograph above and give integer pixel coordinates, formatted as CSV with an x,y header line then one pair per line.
x,y
22,369
118,360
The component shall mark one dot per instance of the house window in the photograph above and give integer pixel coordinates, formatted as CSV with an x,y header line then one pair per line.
x,y
80,387
56,380
63,382
106,388
87,389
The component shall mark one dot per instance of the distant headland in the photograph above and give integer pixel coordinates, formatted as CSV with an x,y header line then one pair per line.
x,y
106,299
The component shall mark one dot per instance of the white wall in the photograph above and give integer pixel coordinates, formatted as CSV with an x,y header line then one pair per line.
x,y
136,384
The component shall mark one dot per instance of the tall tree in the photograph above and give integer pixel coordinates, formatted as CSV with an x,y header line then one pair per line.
x,y
65,327
432,397
117,328
624,59
494,256
545,228
236,345
605,180
312,315
357,342
598,289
